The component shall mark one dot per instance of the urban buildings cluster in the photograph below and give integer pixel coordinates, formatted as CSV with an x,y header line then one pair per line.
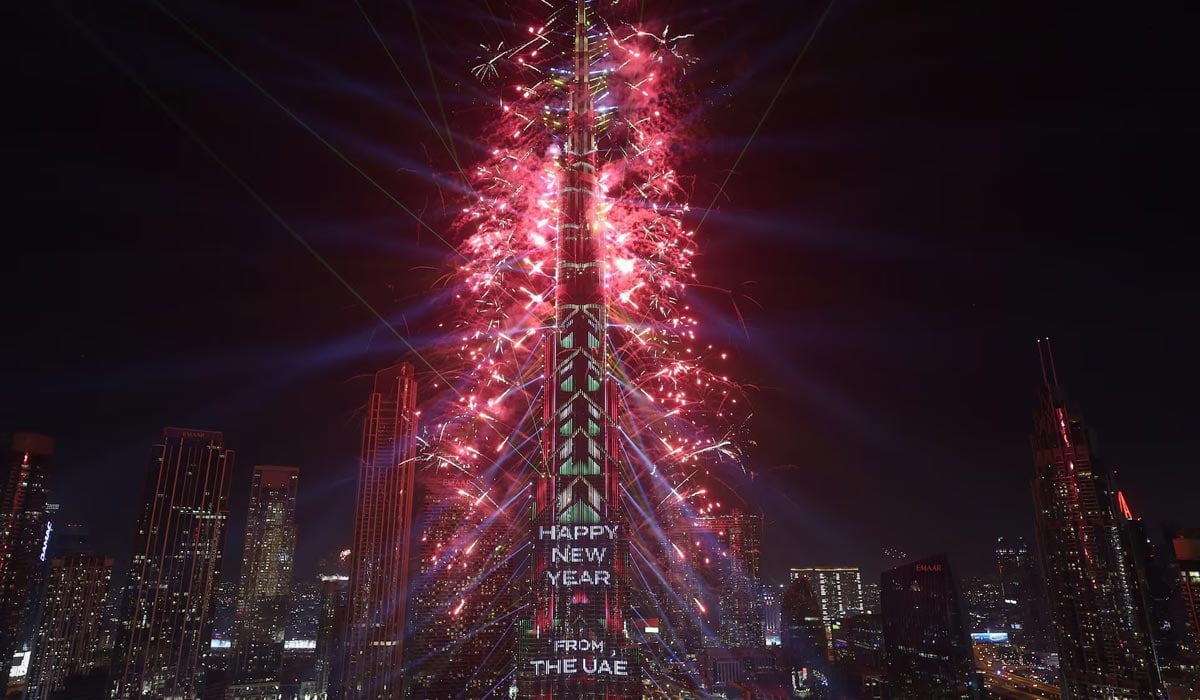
x,y
1097,609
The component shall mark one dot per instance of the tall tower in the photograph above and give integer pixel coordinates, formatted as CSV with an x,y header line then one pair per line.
x,y
382,539
1186,546
22,535
925,634
719,562
804,637
1021,591
577,646
166,621
331,632
839,590
71,634
1096,601
265,593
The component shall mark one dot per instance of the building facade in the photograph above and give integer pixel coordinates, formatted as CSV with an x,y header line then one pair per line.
x,y
926,644
804,640
267,561
1022,594
168,601
70,638
1097,604
23,519
1186,546
839,590
380,552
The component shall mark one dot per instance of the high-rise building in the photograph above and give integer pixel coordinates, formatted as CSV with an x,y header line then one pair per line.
x,y
70,638
382,538
926,645
805,639
728,548
265,595
772,602
576,644
1096,599
1153,582
27,464
167,608
461,641
1022,594
1186,545
838,588
330,664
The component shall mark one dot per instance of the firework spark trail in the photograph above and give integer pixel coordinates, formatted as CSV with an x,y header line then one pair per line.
x,y
498,427
675,417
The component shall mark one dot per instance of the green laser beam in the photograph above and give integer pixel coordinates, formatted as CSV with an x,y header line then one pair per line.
x,y
767,112
296,118
183,126
437,94
448,145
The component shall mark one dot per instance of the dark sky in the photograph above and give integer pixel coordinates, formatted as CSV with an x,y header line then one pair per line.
x,y
939,184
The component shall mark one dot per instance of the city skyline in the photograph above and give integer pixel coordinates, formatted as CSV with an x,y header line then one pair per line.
x,y
934,345
785,326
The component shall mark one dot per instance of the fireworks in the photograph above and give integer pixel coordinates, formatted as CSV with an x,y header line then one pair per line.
x,y
672,414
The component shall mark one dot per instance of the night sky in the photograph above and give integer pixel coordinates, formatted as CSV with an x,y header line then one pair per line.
x,y
938,185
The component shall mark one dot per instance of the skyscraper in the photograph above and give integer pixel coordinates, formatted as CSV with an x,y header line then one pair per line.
x,y
576,646
733,558
927,649
839,590
71,634
1186,545
804,638
1021,593
460,641
329,676
382,538
264,598
1097,605
772,602
22,535
167,610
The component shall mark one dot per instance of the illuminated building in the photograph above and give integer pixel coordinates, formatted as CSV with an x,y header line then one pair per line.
x,y
1186,545
458,629
858,647
729,549
23,535
805,640
576,646
838,588
330,658
1022,594
70,638
926,646
772,603
167,608
221,654
265,593
1152,582
1097,603
382,533
870,591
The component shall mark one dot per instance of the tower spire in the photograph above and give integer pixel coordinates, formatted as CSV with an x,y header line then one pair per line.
x,y
578,647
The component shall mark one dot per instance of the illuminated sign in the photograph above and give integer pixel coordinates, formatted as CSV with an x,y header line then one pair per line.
x,y
580,558
929,568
